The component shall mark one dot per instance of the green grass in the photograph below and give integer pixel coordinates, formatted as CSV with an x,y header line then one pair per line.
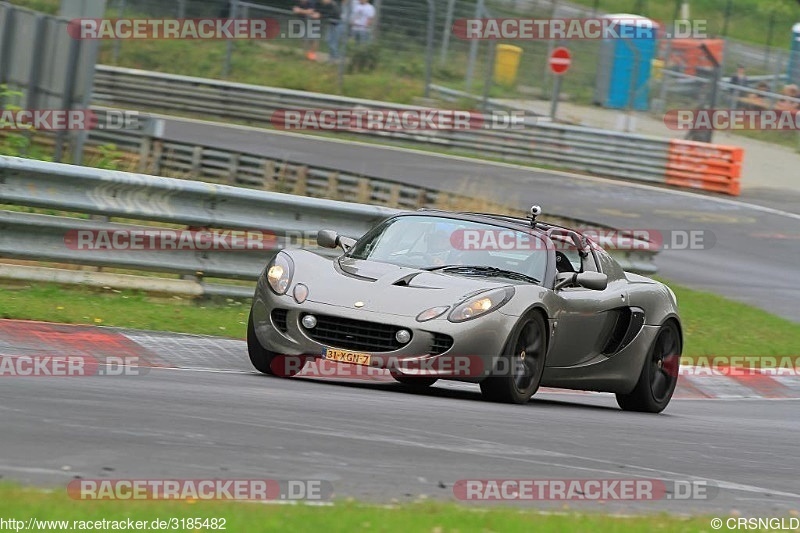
x,y
713,325
130,309
265,64
22,504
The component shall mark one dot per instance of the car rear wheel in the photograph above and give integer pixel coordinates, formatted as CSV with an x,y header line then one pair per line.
x,y
659,374
269,362
414,381
523,358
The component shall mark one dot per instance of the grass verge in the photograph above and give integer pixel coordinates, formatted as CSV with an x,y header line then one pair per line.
x,y
129,309
713,325
23,504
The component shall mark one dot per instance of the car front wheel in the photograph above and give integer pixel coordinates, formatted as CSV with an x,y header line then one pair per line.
x,y
523,363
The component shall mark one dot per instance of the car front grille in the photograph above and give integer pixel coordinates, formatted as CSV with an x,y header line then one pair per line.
x,y
441,343
352,334
279,319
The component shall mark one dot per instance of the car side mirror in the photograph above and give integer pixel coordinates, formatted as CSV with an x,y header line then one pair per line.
x,y
595,281
327,238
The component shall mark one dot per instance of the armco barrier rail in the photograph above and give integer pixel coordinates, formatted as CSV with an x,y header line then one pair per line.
x,y
156,201
594,151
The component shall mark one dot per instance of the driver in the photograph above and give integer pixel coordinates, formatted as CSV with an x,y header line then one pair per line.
x,y
438,248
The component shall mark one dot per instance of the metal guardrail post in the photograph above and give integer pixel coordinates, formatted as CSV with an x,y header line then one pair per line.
x,y
6,34
69,91
150,145
429,47
226,65
118,42
491,50
473,50
447,30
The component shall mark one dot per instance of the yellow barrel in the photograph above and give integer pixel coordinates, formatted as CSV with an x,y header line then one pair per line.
x,y
656,69
506,63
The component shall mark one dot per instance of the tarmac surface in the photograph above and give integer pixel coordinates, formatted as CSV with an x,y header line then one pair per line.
x,y
211,416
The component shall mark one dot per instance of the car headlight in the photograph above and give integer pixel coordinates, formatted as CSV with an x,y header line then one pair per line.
x,y
433,312
480,304
279,273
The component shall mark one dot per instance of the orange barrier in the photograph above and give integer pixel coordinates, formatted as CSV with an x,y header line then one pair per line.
x,y
687,56
704,166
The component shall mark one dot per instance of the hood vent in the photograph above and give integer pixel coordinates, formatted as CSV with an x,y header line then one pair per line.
x,y
405,281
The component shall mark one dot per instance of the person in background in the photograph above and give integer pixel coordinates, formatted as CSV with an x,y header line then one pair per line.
x,y
330,14
361,20
784,104
739,78
757,101
306,9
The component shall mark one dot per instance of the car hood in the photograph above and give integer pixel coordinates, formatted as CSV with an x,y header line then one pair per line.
x,y
382,287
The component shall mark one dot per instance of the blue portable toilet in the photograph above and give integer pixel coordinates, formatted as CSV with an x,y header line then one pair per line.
x,y
794,56
624,65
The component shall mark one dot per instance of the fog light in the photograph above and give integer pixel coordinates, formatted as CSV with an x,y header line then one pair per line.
x,y
403,336
309,321
300,293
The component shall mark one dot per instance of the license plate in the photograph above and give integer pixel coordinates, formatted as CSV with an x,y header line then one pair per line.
x,y
346,356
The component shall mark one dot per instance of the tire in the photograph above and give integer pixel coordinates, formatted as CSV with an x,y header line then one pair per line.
x,y
268,362
659,373
413,381
524,354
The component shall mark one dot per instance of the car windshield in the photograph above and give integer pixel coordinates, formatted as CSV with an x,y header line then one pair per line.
x,y
455,246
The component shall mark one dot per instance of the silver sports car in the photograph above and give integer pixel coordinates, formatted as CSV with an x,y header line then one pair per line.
x,y
509,303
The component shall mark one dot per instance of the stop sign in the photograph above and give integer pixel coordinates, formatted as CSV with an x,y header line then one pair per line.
x,y
560,60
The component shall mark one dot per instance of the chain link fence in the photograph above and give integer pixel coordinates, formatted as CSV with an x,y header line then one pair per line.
x,y
413,46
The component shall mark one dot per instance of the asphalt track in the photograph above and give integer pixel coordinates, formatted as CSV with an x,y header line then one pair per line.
x,y
754,252
211,416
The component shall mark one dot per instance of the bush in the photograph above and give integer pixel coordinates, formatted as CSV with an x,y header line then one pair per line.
x,y
363,58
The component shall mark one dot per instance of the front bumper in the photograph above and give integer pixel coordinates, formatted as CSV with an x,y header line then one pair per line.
x,y
476,343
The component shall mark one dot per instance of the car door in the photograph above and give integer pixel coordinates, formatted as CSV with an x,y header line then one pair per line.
x,y
586,318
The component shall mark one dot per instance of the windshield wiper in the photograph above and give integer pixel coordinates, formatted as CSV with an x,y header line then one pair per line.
x,y
483,271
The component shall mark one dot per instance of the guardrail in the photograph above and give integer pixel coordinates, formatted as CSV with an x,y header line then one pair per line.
x,y
274,220
152,205
593,151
